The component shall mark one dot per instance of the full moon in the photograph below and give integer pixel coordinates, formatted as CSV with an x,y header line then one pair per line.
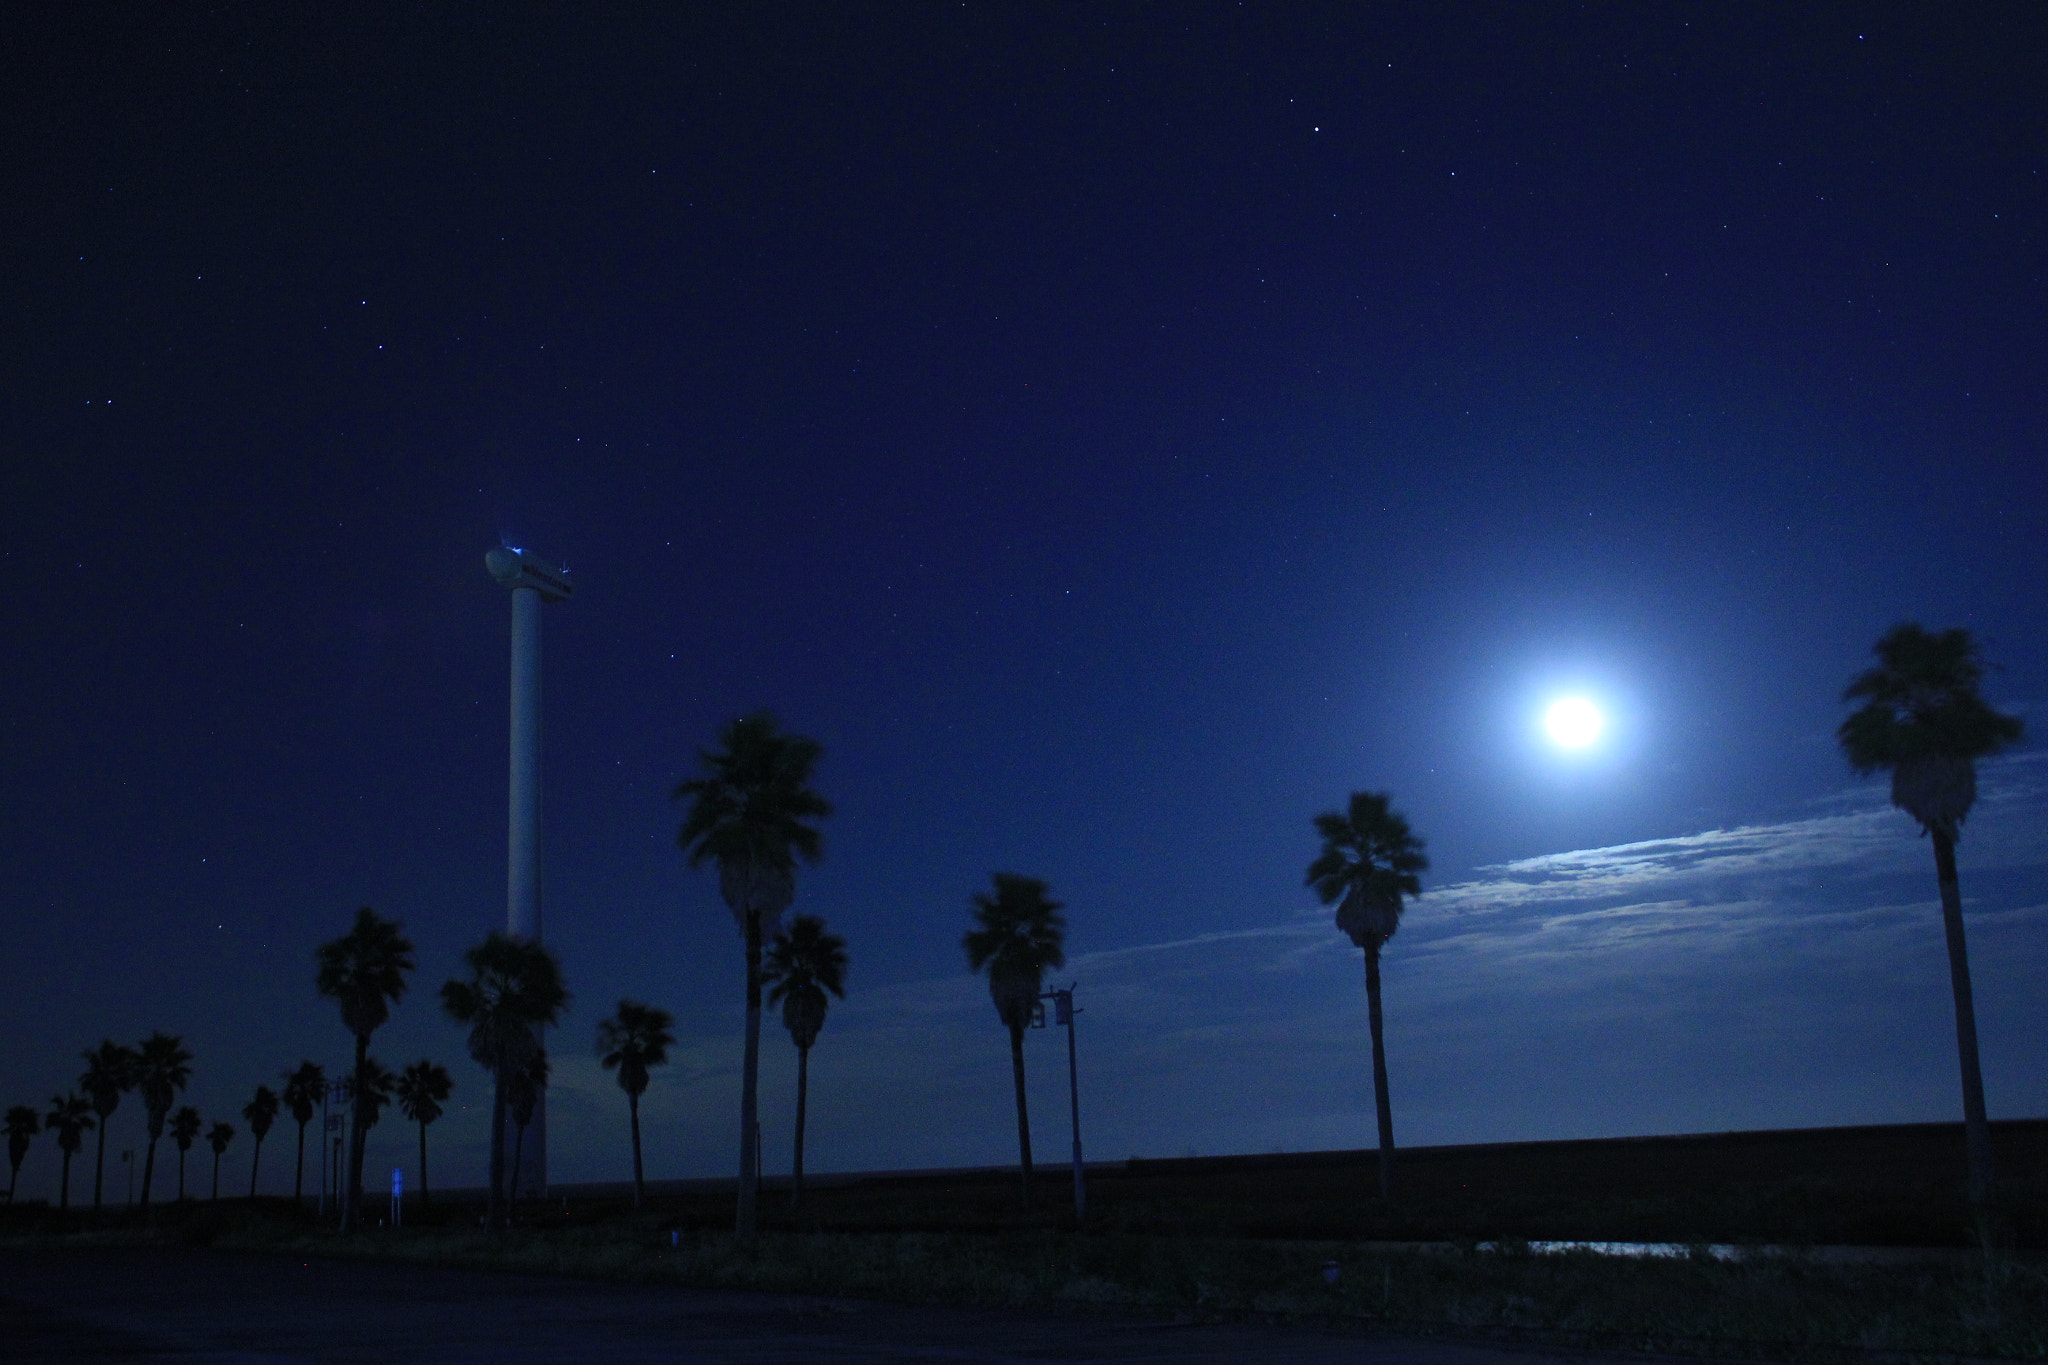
x,y
1573,722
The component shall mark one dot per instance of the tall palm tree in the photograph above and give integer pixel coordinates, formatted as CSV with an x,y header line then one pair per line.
x,y
1021,936
379,1085
749,814
363,971
185,1125
304,1087
109,1074
804,963
218,1137
421,1089
69,1118
523,1091
1923,720
631,1042
514,990
23,1123
163,1067
261,1112
1370,859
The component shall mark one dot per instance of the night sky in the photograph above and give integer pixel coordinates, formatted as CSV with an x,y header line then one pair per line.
x,y
1116,433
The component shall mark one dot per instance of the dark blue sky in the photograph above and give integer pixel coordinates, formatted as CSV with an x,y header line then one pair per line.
x,y
1116,435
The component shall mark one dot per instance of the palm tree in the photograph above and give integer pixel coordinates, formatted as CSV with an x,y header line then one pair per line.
x,y
218,1137
23,1123
363,971
378,1087
1022,936
109,1073
261,1112
303,1090
163,1067
421,1088
1370,860
748,815
515,989
523,1091
185,1125
69,1117
1924,721
804,963
630,1042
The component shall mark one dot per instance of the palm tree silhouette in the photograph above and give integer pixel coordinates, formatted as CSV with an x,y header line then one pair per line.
x,y
109,1073
804,963
1924,721
218,1137
261,1112
23,1123
515,989
363,971
421,1088
185,1127
303,1090
1369,861
630,1042
748,815
163,1067
1022,935
69,1117
523,1090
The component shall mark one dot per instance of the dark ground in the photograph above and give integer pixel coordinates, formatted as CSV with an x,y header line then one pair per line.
x,y
192,1306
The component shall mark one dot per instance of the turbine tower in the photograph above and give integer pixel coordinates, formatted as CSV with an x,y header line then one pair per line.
x,y
532,582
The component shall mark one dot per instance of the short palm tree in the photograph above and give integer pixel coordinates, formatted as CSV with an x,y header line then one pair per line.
x,y
218,1137
23,1123
163,1067
514,990
632,1042
750,815
69,1118
1370,860
109,1074
1924,721
1021,935
363,972
804,963
523,1092
185,1126
421,1089
261,1112
304,1088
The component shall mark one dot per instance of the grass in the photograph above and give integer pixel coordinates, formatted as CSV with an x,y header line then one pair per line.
x,y
1256,1237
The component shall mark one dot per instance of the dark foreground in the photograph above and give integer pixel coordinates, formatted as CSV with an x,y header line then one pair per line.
x,y
189,1305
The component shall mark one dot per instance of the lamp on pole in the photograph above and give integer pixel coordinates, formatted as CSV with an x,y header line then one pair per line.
x,y
1063,1013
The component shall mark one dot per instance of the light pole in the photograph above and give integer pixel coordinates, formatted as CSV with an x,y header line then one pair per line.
x,y
531,582
1063,1013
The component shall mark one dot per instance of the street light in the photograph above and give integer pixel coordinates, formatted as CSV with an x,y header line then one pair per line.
x,y
1063,1015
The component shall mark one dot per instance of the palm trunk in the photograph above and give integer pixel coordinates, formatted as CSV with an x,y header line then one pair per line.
x,y
639,1183
13,1179
803,1089
99,1167
1976,1126
64,1191
424,1201
181,1175
1023,1116
1379,1073
512,1190
255,1163
299,1176
750,1088
149,1167
216,1177
353,1189
496,1210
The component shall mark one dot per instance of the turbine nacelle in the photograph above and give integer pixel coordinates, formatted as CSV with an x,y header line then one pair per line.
x,y
521,569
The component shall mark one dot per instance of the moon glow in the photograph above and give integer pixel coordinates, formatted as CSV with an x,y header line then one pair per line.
x,y
1573,723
